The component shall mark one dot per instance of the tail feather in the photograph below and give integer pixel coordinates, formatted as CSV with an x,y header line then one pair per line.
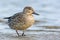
x,y
7,17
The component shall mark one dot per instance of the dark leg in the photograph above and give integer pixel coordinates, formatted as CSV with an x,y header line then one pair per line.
x,y
17,32
23,34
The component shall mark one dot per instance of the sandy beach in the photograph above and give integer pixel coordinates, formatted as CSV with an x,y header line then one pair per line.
x,y
8,34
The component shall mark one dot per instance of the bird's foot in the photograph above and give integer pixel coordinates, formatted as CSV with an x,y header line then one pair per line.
x,y
17,33
23,34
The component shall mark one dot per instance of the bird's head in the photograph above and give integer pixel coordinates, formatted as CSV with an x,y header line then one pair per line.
x,y
29,10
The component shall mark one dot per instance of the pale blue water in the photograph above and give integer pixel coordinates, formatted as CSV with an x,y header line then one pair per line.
x,y
49,10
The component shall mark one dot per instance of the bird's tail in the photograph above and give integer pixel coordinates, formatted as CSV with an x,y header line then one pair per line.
x,y
7,18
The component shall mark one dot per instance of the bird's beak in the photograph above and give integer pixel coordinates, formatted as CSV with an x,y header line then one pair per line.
x,y
35,13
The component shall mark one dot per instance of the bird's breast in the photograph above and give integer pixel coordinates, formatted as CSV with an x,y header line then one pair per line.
x,y
30,20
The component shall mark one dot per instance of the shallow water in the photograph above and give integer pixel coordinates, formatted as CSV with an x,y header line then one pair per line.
x,y
49,11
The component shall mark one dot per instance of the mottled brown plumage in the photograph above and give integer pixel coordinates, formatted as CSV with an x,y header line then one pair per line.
x,y
22,20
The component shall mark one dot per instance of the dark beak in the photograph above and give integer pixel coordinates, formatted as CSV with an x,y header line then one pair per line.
x,y
35,13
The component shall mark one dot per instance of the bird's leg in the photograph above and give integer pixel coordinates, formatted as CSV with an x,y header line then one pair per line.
x,y
23,33
17,32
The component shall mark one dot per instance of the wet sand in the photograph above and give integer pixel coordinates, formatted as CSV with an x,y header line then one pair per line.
x,y
8,34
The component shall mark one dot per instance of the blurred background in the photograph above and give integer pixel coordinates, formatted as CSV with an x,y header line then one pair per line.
x,y
49,10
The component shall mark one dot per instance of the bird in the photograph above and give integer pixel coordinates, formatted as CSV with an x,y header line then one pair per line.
x,y
22,20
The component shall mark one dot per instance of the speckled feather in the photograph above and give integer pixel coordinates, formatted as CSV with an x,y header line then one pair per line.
x,y
20,21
